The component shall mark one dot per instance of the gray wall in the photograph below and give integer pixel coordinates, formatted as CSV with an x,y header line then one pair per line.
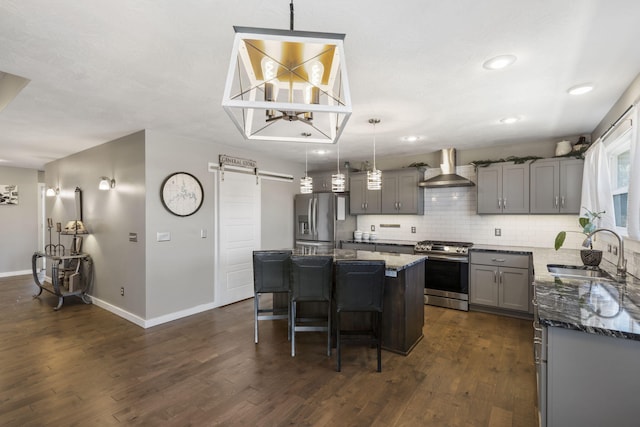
x,y
108,215
18,223
180,273
630,95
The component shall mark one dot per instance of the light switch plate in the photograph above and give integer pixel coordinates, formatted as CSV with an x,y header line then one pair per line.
x,y
498,232
163,236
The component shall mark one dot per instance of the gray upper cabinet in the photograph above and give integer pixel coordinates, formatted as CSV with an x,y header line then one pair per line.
x,y
400,193
503,188
322,181
362,200
556,186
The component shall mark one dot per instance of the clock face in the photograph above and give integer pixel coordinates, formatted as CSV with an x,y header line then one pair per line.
x,y
181,194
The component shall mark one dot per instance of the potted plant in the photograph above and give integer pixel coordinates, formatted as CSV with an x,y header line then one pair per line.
x,y
591,257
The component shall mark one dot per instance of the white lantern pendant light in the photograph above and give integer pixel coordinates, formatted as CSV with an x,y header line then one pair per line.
x,y
306,182
338,179
374,177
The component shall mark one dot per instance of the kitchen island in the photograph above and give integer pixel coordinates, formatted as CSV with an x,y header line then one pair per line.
x,y
403,313
587,349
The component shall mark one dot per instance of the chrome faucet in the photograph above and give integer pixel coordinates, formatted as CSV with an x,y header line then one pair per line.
x,y
622,263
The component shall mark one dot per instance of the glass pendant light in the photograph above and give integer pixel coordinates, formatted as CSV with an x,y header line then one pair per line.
x,y
374,177
306,182
338,179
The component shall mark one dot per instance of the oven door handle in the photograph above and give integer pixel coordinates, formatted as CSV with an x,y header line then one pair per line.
x,y
462,259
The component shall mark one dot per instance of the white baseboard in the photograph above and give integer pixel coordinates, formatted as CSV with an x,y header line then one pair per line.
x,y
15,273
148,323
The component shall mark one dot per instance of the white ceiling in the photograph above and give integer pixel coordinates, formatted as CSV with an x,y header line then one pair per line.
x,y
102,69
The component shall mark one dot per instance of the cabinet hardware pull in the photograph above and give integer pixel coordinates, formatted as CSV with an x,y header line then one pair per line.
x,y
504,203
562,202
499,201
556,202
495,276
501,277
498,259
399,205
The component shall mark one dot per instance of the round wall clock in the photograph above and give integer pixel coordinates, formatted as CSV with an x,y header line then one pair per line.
x,y
181,194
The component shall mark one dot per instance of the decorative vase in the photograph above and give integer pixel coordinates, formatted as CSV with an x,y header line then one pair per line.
x,y
563,147
591,257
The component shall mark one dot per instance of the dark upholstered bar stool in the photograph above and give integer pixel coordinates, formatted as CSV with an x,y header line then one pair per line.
x,y
270,275
360,288
311,280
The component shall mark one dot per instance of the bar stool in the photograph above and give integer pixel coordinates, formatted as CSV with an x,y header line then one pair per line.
x,y
270,275
360,288
311,280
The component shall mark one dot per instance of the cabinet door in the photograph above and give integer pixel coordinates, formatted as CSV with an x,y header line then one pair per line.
x,y
515,188
483,285
321,181
513,292
489,189
389,193
545,181
410,196
357,195
570,185
361,200
359,246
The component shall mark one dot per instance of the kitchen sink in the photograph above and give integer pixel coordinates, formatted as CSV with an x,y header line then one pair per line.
x,y
580,271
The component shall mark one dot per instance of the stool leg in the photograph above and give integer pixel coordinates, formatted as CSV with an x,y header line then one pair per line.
x,y
338,349
329,330
256,304
379,339
293,329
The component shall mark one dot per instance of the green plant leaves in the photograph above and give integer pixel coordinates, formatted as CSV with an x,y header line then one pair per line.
x,y
560,239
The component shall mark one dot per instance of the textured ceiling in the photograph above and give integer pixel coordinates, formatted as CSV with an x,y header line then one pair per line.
x,y
102,69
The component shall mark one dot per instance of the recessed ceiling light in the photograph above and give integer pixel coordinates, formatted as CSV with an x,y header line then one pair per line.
x,y
580,89
509,120
320,151
410,138
499,62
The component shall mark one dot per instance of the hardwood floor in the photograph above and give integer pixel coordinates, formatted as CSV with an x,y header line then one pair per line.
x,y
84,366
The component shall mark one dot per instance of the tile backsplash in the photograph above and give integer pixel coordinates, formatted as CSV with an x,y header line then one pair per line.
x,y
450,214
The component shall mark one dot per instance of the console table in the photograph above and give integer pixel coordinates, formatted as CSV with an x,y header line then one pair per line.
x,y
68,276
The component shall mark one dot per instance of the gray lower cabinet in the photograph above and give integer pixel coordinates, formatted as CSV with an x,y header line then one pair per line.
x,y
378,247
503,188
400,193
359,246
556,186
588,380
394,249
500,280
362,200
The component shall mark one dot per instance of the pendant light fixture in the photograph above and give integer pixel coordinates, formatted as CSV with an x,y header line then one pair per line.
x,y
338,179
281,83
306,182
374,177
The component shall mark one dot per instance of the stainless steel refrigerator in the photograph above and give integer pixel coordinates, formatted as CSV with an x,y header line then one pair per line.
x,y
322,220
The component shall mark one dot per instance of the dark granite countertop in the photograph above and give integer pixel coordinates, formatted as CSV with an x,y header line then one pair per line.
x,y
516,250
594,306
394,262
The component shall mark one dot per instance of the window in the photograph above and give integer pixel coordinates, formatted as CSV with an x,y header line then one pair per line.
x,y
619,152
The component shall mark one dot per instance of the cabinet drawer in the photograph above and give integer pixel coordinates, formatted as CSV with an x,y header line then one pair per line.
x,y
500,259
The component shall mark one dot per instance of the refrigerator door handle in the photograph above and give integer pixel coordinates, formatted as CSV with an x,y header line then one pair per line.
x,y
315,217
309,218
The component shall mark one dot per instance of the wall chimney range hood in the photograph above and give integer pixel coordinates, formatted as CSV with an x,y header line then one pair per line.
x,y
448,177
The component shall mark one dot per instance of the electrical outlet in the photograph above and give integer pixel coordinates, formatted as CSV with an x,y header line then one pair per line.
x,y
373,227
122,290
413,230
498,232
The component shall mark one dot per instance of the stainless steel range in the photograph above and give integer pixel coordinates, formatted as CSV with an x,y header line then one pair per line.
x,y
446,274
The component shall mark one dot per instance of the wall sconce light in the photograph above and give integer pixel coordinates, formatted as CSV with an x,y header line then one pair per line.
x,y
52,192
106,183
